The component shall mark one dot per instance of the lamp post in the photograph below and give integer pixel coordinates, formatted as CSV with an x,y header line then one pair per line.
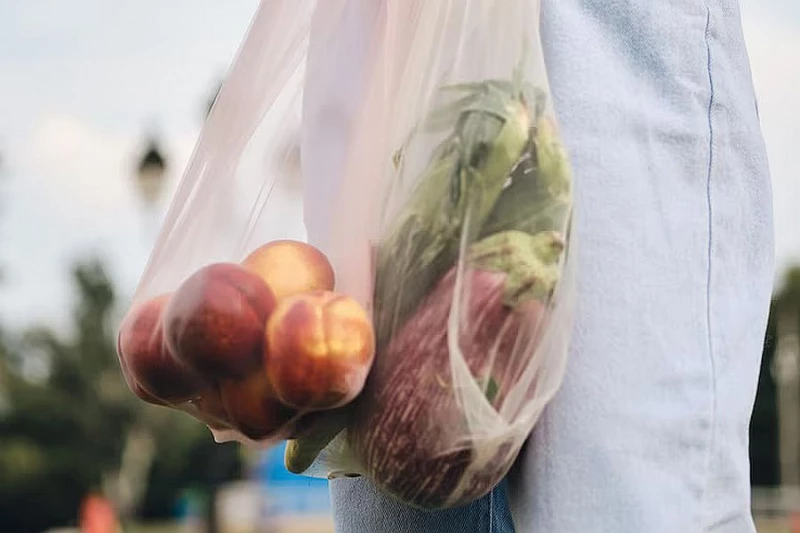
x,y
150,179
150,173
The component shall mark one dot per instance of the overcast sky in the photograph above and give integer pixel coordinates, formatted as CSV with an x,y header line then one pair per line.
x,y
81,82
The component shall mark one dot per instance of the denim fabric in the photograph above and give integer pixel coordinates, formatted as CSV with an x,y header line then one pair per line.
x,y
650,430
359,507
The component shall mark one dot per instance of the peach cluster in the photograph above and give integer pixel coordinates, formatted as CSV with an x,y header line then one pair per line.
x,y
251,346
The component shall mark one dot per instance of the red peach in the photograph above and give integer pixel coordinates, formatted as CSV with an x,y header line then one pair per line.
x,y
133,386
211,409
291,267
146,396
156,376
321,347
215,321
253,408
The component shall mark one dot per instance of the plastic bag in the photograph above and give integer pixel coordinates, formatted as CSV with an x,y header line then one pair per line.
x,y
436,186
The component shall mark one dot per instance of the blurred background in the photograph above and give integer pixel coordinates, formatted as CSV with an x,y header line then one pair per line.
x,y
100,107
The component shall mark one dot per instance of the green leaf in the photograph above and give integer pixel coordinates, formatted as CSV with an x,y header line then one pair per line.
x,y
455,194
538,197
491,390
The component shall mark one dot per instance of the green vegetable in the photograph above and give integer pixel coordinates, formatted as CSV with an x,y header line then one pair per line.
x,y
412,433
463,193
491,390
316,431
454,196
539,196
531,263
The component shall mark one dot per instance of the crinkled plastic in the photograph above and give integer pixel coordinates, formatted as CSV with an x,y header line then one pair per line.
x,y
435,182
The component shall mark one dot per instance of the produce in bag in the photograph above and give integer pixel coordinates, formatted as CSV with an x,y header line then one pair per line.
x,y
469,252
236,320
240,358
414,333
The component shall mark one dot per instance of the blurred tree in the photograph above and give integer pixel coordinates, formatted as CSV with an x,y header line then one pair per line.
x,y
764,449
764,423
71,425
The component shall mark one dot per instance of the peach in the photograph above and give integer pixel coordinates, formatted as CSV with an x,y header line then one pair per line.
x,y
156,376
291,267
215,320
142,394
253,408
133,386
211,410
321,347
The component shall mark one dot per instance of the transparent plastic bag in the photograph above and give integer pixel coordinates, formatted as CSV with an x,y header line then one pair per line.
x,y
436,186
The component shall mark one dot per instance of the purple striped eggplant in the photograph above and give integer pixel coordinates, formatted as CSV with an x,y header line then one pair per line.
x,y
409,429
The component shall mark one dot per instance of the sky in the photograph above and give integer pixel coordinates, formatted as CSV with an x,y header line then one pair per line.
x,y
83,82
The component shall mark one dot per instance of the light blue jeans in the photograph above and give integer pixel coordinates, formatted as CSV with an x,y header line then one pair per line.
x,y
649,433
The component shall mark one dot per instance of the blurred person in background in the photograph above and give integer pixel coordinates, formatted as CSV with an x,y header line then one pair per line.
x,y
97,515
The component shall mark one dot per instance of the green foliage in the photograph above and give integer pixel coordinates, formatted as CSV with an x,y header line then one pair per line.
x,y
764,469
64,433
191,459
764,458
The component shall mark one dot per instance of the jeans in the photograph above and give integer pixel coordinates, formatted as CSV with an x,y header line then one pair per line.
x,y
359,507
649,432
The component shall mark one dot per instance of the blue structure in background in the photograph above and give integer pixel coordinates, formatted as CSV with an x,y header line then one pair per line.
x,y
287,493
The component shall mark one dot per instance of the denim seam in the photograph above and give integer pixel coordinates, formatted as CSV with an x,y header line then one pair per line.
x,y
710,341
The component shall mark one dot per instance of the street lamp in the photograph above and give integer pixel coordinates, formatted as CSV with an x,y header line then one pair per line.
x,y
150,173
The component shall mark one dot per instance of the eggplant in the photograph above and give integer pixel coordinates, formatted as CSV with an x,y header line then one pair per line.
x,y
409,429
